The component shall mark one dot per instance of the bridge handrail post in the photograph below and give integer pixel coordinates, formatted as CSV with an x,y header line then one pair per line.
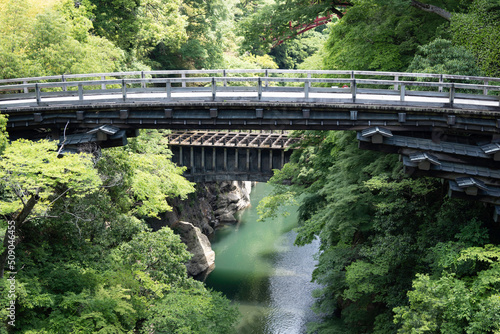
x,y
353,90
169,89
224,75
124,90
103,85
485,90
64,87
38,94
396,86
214,88
403,92
306,89
259,88
183,76
440,81
266,72
80,91
452,94
143,83
25,88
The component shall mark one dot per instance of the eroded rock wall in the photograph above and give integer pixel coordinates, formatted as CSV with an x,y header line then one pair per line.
x,y
196,218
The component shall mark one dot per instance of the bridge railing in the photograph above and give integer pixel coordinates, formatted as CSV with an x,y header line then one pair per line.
x,y
256,85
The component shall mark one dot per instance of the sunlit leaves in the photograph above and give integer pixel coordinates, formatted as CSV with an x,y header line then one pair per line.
x,y
55,41
192,311
33,169
143,176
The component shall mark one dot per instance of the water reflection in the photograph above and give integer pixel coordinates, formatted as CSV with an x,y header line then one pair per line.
x,y
258,267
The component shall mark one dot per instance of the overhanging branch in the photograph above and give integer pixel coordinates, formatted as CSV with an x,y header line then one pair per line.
x,y
432,9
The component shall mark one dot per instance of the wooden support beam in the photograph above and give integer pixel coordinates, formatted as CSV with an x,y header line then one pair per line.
x,y
259,160
203,158
270,159
214,159
248,160
225,159
236,159
191,160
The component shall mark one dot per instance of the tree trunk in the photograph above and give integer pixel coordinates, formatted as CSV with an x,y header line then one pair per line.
x,y
432,9
18,222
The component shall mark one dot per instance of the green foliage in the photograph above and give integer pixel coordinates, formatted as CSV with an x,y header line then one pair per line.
x,y
101,311
144,175
379,36
89,264
249,61
294,51
192,311
3,133
441,56
208,34
57,41
138,26
160,256
269,22
456,304
33,169
478,31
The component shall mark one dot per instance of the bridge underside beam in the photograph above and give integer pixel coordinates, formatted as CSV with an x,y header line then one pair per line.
x,y
232,139
25,122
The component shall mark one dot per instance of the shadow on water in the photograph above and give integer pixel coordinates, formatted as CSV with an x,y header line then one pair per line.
x,y
258,267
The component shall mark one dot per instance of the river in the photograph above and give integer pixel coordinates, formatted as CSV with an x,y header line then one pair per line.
x,y
258,267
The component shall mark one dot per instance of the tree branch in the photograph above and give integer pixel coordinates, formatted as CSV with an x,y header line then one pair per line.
x,y
432,9
19,220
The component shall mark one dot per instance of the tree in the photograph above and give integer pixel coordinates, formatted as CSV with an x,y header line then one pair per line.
x,y
380,36
478,30
441,56
275,21
142,176
456,302
55,41
35,178
137,26
208,34
192,311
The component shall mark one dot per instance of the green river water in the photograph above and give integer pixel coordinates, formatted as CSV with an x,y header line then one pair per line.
x,y
258,267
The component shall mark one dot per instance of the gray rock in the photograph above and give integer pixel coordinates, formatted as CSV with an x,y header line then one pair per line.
x,y
228,217
197,243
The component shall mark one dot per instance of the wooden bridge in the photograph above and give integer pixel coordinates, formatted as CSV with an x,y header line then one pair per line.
x,y
443,125
228,155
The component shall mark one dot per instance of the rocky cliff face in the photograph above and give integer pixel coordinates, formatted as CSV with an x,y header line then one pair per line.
x,y
203,260
196,218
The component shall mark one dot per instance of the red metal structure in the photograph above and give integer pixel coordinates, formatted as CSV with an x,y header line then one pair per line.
x,y
302,28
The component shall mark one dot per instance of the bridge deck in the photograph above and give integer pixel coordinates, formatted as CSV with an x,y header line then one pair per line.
x,y
443,125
